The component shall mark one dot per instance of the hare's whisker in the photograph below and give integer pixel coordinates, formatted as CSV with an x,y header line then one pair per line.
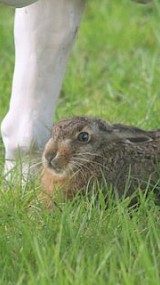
x,y
81,166
45,162
88,153
83,163
36,164
80,159
91,162
75,166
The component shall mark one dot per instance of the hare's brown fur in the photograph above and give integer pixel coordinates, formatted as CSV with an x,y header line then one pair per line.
x,y
113,152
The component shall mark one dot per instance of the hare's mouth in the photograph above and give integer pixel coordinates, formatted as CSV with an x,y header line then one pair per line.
x,y
55,168
58,170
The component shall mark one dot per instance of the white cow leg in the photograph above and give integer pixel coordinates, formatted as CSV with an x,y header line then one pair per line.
x,y
44,34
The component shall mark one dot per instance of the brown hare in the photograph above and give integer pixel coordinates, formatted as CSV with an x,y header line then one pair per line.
x,y
84,149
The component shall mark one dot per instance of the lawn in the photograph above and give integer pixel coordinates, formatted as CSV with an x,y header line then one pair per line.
x,y
113,73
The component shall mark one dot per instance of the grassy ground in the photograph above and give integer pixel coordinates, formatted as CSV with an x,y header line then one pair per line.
x,y
113,73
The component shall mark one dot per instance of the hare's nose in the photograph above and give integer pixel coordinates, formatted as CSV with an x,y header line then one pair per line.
x,y
49,157
52,163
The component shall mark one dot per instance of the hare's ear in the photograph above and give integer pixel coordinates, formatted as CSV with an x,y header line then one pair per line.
x,y
138,140
130,134
104,126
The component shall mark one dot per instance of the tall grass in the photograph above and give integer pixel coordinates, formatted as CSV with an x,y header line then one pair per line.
x,y
113,73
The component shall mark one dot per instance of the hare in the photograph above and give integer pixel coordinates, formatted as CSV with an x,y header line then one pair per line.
x,y
84,149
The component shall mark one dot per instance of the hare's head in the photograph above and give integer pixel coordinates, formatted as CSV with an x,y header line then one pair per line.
x,y
79,141
74,143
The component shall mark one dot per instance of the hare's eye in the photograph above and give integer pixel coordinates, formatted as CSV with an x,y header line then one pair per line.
x,y
84,137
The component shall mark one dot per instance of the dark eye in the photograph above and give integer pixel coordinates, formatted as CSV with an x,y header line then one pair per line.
x,y
84,137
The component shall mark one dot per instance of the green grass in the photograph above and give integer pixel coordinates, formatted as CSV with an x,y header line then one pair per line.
x,y
114,73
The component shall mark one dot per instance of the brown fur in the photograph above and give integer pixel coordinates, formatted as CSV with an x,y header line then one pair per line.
x,y
113,153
